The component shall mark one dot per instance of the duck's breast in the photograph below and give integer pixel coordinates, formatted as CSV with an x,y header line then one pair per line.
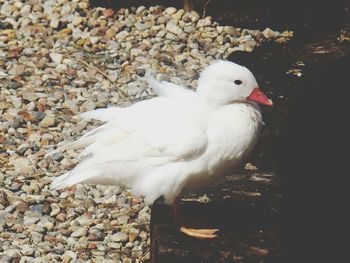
x,y
232,134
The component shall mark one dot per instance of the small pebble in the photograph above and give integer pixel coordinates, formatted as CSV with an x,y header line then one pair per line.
x,y
12,253
119,237
28,221
170,10
79,233
57,58
55,209
48,121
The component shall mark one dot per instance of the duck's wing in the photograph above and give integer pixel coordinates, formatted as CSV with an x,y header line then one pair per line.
x,y
168,89
135,143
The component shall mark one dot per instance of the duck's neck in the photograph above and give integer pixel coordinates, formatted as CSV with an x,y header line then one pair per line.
x,y
214,102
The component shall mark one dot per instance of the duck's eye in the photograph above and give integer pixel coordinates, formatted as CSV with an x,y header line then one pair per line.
x,y
238,82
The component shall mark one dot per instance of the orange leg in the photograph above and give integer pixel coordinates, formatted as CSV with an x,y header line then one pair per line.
x,y
192,232
199,233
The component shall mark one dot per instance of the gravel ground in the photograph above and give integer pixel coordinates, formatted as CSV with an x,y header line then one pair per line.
x,y
57,59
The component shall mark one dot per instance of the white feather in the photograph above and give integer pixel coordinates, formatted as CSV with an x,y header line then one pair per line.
x,y
176,142
102,114
168,89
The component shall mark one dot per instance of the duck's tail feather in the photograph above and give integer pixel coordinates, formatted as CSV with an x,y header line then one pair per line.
x,y
82,142
102,114
81,173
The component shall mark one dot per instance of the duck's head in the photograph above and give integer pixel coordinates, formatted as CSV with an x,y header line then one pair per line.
x,y
225,82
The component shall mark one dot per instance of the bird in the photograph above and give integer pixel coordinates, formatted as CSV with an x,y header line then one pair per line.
x,y
175,142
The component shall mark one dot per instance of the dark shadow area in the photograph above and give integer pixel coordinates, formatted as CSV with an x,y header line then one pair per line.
x,y
308,18
313,168
304,141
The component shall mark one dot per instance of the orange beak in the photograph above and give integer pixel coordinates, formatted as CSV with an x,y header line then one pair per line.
x,y
258,96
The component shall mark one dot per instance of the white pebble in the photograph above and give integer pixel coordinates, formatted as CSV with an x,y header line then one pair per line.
x,y
79,233
56,57
170,10
119,237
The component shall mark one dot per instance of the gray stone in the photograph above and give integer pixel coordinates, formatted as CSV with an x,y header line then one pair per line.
x,y
79,233
170,10
95,235
55,209
27,250
48,121
61,68
56,57
119,237
25,11
142,26
85,220
22,166
36,237
140,9
12,253
6,9
172,27
77,20
49,225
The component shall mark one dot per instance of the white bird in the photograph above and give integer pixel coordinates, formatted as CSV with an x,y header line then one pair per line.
x,y
176,142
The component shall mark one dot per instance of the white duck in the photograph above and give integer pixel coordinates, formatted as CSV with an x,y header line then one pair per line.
x,y
176,142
